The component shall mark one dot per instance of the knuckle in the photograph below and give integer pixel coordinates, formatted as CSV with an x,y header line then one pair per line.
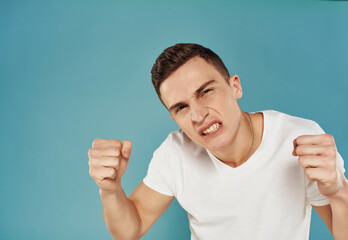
x,y
112,172
308,173
329,139
92,162
331,164
117,152
299,149
99,178
299,139
301,160
296,150
116,142
326,151
115,162
329,151
91,172
90,152
333,152
96,141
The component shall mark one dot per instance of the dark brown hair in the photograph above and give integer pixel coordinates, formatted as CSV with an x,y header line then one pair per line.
x,y
175,56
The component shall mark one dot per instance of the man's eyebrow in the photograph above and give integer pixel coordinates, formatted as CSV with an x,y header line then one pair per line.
x,y
204,85
197,93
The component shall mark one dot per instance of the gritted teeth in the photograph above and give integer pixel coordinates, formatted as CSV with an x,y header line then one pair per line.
x,y
212,128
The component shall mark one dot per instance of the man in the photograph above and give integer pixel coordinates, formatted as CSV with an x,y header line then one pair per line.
x,y
238,175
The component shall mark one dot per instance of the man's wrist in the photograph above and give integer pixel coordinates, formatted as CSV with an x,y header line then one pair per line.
x,y
342,194
108,194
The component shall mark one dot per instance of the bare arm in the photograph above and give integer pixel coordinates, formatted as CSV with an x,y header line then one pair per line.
x,y
126,218
120,215
335,215
318,157
131,218
150,205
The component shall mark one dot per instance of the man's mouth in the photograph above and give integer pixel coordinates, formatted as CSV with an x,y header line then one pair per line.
x,y
211,129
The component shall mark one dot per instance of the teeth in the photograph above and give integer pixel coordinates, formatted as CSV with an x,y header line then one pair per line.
x,y
212,128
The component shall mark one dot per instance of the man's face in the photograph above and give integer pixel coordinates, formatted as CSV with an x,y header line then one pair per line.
x,y
203,104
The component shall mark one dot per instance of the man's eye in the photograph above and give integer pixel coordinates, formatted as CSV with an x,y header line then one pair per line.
x,y
180,108
207,90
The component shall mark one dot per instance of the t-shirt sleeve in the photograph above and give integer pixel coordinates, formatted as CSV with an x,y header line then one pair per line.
x,y
158,175
313,194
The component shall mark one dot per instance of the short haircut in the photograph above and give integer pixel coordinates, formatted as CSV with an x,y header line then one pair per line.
x,y
175,56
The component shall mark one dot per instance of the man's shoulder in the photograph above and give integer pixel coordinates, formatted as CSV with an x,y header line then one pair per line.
x,y
284,120
179,138
177,141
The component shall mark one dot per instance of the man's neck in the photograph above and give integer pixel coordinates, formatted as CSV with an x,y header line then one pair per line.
x,y
239,151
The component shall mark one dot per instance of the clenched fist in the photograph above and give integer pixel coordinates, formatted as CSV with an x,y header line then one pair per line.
x,y
108,160
317,156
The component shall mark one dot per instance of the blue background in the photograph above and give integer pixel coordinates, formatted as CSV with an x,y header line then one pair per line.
x,y
73,71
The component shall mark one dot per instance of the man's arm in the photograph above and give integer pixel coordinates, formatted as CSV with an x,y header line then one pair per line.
x,y
131,218
150,205
335,215
317,155
126,218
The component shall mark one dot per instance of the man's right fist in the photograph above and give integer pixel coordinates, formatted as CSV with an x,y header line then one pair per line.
x,y
108,160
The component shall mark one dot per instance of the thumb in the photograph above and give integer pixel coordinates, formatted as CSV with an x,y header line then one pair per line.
x,y
295,146
126,149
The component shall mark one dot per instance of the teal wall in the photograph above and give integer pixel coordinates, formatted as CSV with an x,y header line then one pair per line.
x,y
73,71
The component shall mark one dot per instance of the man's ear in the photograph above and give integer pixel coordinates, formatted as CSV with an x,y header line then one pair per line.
x,y
236,86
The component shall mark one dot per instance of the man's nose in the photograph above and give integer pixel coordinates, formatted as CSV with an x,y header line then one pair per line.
x,y
198,112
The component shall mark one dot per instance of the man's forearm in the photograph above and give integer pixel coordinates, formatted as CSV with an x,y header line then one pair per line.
x,y
121,216
339,207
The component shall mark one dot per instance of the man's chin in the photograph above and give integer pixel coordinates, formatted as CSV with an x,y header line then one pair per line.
x,y
211,145
215,146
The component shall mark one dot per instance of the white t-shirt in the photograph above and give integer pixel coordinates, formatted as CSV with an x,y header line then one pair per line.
x,y
267,197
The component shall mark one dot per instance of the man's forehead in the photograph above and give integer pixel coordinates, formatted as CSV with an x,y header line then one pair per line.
x,y
186,80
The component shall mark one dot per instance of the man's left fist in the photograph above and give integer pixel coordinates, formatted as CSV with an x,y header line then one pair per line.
x,y
317,156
